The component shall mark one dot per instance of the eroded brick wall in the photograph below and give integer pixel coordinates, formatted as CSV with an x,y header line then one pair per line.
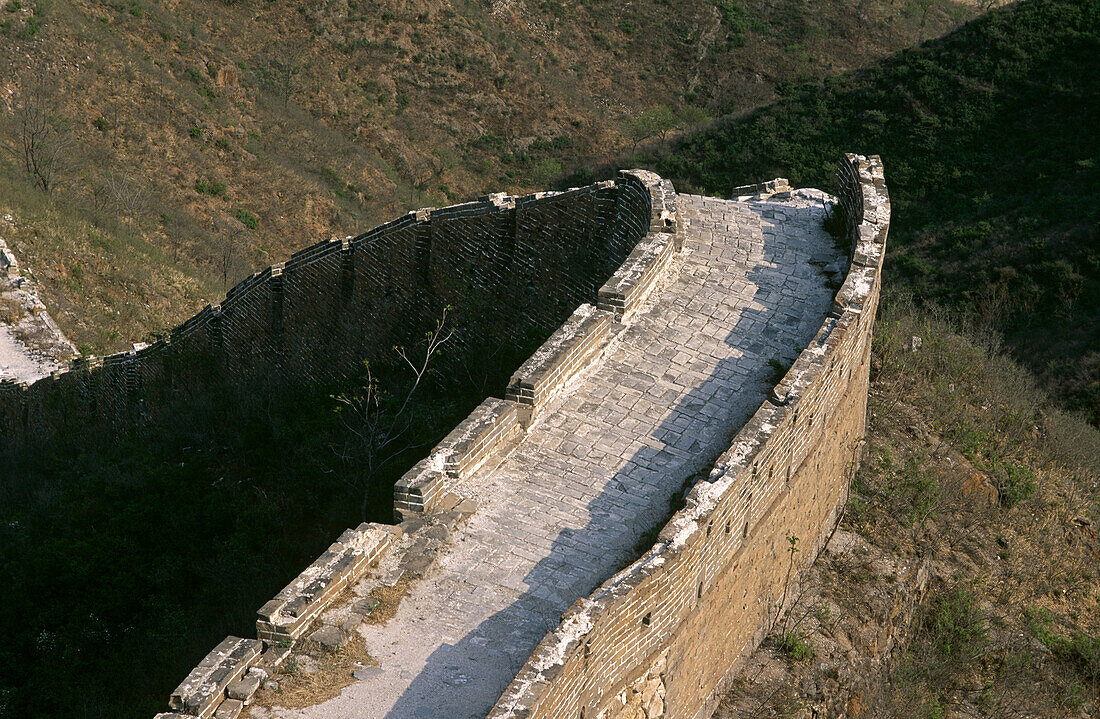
x,y
511,269
683,615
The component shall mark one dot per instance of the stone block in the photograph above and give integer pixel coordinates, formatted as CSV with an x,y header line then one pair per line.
x,y
203,689
329,637
229,709
294,608
637,276
245,688
273,657
569,350
485,436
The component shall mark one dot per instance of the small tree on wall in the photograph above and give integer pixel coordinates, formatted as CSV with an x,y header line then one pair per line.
x,y
379,420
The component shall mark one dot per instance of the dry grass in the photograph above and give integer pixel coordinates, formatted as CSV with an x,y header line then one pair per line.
x,y
389,599
1012,626
389,108
299,689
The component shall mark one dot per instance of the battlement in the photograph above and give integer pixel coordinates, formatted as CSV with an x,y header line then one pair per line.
x,y
512,267
661,318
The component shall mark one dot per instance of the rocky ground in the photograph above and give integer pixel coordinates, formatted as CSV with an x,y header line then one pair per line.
x,y
31,344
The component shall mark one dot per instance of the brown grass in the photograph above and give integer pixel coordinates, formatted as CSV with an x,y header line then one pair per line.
x,y
402,106
389,599
298,689
1015,596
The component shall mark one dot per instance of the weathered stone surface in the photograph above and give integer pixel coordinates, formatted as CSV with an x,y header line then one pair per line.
x,y
294,608
660,397
243,689
631,284
329,637
203,689
273,657
706,590
366,673
568,351
229,709
486,436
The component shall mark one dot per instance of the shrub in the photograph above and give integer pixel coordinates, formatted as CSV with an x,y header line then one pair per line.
x,y
1016,483
796,646
247,218
956,626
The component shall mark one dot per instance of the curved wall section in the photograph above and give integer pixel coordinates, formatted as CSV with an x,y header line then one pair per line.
x,y
665,633
512,269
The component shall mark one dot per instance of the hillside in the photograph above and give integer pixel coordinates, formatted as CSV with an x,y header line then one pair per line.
x,y
202,140
963,579
995,185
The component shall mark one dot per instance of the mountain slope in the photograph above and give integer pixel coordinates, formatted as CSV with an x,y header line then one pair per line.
x,y
208,139
993,173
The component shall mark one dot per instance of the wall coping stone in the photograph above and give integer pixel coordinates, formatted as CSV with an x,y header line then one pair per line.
x,y
570,349
490,431
203,689
638,275
289,614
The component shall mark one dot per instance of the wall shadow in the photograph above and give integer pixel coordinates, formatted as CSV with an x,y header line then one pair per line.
x,y
466,678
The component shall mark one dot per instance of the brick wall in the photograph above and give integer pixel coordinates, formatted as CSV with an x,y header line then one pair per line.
x,y
512,269
671,628
488,246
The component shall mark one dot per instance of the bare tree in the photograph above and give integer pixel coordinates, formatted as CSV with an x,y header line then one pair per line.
x,y
41,137
279,73
120,194
231,237
380,422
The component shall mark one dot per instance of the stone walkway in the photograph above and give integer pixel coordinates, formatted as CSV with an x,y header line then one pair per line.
x,y
564,511
18,362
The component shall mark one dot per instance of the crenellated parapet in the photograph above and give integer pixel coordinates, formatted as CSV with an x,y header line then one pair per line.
x,y
663,635
512,269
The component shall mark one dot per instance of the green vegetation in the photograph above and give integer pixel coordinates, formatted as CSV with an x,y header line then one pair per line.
x,y
940,417
996,195
206,187
246,218
795,645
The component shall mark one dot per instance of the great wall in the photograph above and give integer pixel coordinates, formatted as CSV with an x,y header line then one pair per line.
x,y
661,321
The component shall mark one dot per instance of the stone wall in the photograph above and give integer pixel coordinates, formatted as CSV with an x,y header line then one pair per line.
x,y
228,677
660,638
511,268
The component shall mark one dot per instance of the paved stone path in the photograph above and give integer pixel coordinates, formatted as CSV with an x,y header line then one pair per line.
x,y
20,363
563,512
